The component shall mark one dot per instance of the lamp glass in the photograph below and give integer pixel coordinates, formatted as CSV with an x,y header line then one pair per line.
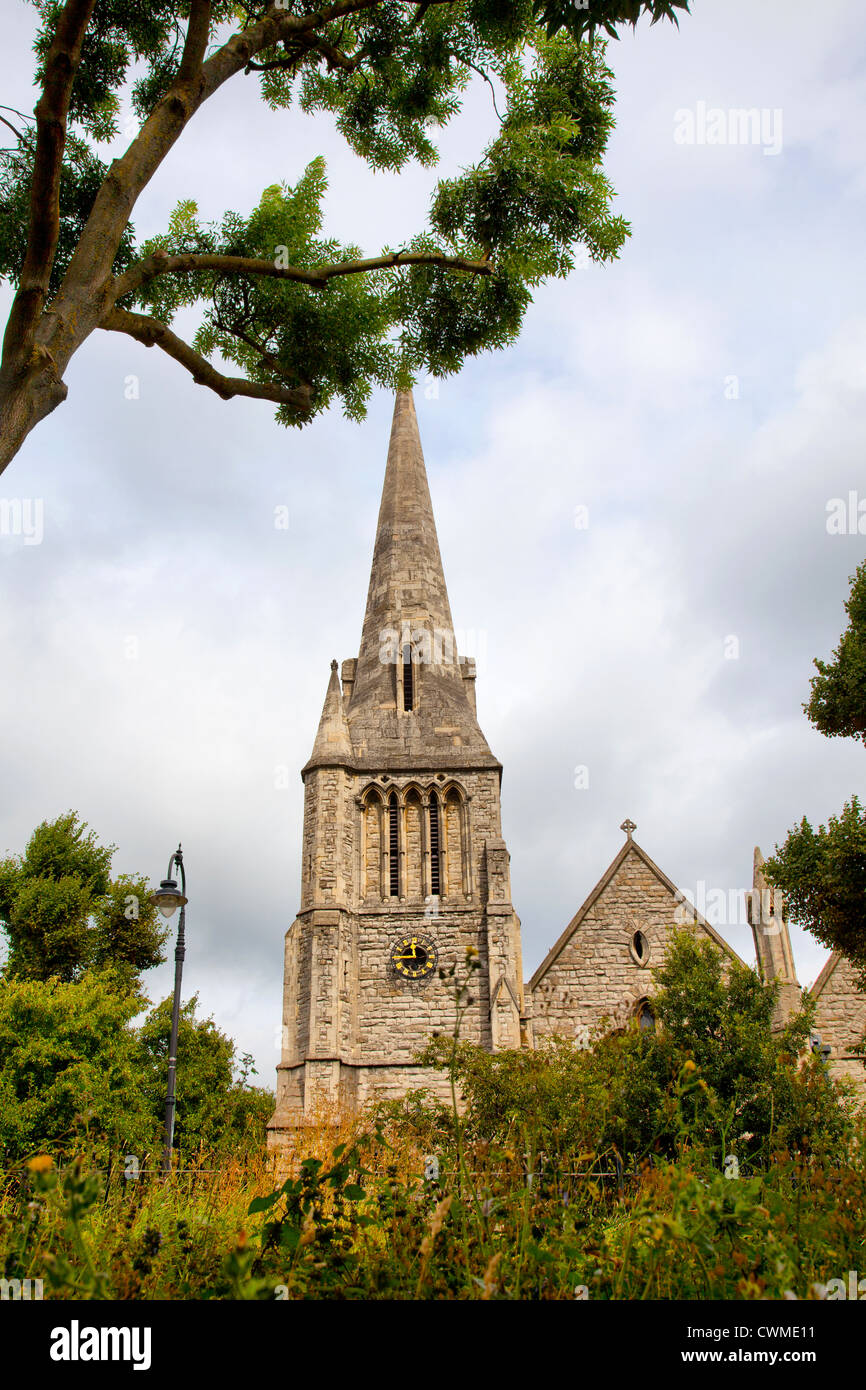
x,y
168,898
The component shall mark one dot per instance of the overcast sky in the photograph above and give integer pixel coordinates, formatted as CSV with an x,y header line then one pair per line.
x,y
166,648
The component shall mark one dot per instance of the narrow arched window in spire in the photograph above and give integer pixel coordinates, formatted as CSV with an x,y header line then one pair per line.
x,y
394,845
408,679
435,859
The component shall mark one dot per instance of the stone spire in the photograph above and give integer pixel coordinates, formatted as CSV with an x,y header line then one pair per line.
x,y
333,745
423,717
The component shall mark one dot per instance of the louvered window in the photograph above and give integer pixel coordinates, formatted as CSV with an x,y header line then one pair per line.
x,y
393,845
408,679
434,845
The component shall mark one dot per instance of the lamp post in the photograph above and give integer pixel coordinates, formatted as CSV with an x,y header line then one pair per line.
x,y
167,899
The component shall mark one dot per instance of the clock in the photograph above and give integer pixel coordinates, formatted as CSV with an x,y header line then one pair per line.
x,y
414,957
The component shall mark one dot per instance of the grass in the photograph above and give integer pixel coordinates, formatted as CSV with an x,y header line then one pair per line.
x,y
354,1218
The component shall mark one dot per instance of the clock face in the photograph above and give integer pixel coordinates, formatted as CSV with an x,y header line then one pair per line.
x,y
414,957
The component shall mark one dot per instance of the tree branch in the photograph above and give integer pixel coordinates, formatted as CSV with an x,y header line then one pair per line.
x,y
11,127
61,67
401,258
161,264
150,331
86,292
195,45
308,43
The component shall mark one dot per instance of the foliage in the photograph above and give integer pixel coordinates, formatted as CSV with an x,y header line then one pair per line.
x,y
358,1225
586,19
69,1066
214,1111
305,317
823,876
63,914
71,1061
519,1213
838,702
823,873
714,1058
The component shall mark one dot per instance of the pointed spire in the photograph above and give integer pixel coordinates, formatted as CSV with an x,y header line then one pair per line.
x,y
407,605
332,744
407,582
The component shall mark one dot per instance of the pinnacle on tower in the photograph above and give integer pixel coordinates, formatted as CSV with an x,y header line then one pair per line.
x,y
332,745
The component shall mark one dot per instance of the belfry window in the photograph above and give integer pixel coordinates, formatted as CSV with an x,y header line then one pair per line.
x,y
435,845
408,679
394,845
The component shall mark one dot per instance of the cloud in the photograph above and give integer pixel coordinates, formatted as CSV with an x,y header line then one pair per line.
x,y
166,647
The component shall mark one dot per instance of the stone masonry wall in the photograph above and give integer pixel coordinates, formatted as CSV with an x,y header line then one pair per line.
x,y
841,1020
595,975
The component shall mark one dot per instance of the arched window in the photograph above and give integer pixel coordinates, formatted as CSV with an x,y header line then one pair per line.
x,y
451,840
435,845
394,845
408,679
646,1019
371,863
413,844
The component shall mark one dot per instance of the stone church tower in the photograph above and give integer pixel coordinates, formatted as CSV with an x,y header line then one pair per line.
x,y
403,865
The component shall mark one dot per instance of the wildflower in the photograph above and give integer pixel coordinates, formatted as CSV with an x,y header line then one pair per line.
x,y
437,1221
41,1163
491,1283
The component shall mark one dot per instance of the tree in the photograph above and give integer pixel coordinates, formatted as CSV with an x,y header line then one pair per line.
x,y
823,873
838,703
64,915
213,1108
712,1072
306,318
823,876
70,1067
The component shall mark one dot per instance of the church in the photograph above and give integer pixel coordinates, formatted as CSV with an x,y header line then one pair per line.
x,y
404,867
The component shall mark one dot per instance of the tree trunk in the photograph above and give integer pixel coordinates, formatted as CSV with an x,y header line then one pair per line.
x,y
25,399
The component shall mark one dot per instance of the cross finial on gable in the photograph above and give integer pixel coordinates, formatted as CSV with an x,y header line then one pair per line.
x,y
628,826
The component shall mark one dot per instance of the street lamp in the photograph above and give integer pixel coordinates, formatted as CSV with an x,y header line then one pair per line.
x,y
167,899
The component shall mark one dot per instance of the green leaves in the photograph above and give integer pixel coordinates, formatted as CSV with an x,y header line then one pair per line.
x,y
823,876
537,192
823,873
67,1051
81,176
63,914
838,703
212,1109
390,75
582,18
